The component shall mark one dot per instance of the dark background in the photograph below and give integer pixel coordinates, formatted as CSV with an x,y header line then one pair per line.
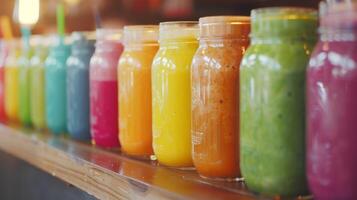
x,y
116,13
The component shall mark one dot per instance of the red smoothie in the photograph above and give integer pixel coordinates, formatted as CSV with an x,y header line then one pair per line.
x,y
104,89
332,106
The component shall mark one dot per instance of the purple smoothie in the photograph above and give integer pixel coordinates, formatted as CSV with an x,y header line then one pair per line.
x,y
332,108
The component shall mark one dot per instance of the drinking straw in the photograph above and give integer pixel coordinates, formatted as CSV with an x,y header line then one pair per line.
x,y
60,22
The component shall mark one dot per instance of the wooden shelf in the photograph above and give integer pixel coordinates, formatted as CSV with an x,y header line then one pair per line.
x,y
108,174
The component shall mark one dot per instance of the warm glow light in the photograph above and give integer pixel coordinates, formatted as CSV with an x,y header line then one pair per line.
x,y
29,11
72,2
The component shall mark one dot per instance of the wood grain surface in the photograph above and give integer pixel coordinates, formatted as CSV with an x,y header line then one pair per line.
x,y
107,174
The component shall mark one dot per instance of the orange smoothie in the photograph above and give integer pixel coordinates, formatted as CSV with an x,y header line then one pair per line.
x,y
134,79
215,95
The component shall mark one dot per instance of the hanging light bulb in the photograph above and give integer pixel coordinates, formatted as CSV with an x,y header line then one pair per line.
x,y
28,12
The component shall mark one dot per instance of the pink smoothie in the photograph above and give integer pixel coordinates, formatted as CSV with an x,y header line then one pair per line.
x,y
332,112
104,90
104,113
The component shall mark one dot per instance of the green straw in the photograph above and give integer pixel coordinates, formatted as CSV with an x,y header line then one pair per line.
x,y
60,21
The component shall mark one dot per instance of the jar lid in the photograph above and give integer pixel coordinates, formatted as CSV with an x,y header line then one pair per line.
x,y
36,40
109,34
284,22
137,34
338,14
13,43
178,31
82,40
224,26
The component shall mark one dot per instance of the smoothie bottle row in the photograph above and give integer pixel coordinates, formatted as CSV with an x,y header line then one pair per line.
x,y
225,95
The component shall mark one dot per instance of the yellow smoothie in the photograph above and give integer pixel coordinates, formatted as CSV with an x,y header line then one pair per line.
x,y
11,93
12,83
171,94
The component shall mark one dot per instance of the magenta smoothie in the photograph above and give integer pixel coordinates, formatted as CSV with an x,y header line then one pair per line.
x,y
104,89
332,107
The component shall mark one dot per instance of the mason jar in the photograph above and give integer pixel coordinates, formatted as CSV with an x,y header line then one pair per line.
x,y
272,102
103,88
25,83
55,87
134,83
171,93
78,85
40,47
331,104
215,95
11,100
3,55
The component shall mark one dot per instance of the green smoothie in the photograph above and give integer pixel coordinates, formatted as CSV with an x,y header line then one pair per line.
x,y
272,114
24,86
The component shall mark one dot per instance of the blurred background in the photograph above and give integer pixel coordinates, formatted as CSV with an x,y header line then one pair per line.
x,y
82,14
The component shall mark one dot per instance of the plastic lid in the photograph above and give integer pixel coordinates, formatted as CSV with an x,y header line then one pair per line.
x,y
109,34
83,35
340,14
140,34
14,43
224,26
37,40
82,40
179,31
56,40
284,22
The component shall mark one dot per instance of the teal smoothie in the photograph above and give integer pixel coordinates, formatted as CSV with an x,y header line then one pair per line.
x,y
55,88
24,85
273,100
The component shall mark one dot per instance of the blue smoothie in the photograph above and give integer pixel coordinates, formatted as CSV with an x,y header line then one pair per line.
x,y
78,87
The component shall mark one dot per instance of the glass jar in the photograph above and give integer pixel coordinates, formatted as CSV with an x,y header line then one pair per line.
x,y
134,75
40,46
78,85
24,83
55,87
171,93
12,81
331,104
103,88
3,55
215,95
272,102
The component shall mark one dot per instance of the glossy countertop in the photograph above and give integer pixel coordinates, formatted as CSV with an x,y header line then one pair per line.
x,y
108,174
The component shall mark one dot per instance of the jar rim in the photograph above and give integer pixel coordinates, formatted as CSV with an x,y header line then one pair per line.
x,y
338,15
232,19
140,34
109,34
224,26
140,27
178,23
276,13
178,30
88,35
287,22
